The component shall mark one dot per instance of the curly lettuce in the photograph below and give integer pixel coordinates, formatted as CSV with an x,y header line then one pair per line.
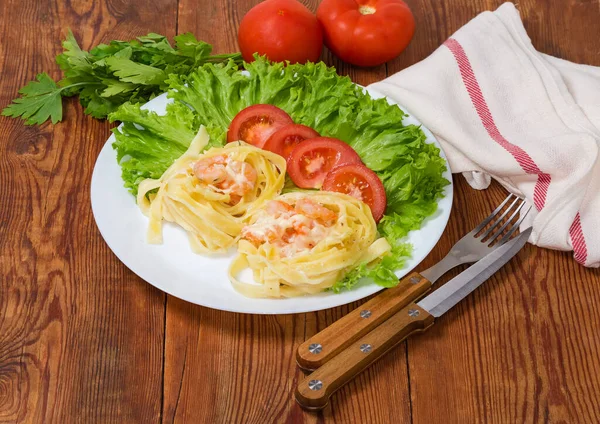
x,y
313,95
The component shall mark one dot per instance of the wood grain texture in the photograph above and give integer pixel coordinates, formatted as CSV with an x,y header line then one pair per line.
x,y
520,349
365,399
510,352
82,339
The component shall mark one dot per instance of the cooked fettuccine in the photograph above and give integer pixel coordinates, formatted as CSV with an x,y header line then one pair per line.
x,y
303,242
211,195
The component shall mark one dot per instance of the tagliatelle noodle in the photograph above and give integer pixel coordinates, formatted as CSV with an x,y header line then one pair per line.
x,y
213,222
350,241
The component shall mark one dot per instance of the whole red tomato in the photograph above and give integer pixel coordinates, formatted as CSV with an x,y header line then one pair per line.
x,y
281,30
366,32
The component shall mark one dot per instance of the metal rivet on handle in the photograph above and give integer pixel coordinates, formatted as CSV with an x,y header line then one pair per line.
x,y
315,348
365,313
413,312
365,348
415,280
315,384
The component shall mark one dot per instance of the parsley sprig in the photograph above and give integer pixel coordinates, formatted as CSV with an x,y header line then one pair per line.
x,y
110,75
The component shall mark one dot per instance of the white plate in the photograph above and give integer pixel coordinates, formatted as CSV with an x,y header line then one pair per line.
x,y
173,268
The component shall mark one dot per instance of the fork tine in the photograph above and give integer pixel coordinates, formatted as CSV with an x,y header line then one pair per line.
x,y
508,221
514,227
471,248
499,220
492,215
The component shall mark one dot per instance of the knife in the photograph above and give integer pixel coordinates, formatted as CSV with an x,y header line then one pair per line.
x,y
326,344
314,391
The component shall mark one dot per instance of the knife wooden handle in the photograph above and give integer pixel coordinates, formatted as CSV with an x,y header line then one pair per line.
x,y
314,391
339,335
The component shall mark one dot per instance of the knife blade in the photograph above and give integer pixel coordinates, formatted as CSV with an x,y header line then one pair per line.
x,y
314,391
455,290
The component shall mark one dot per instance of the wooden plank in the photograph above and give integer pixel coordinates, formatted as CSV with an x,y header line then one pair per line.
x,y
565,29
243,365
523,348
81,337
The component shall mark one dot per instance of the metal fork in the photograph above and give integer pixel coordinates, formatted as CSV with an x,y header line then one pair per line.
x,y
474,246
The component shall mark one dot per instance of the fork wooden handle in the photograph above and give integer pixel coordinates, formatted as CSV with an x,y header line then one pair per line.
x,y
323,346
314,391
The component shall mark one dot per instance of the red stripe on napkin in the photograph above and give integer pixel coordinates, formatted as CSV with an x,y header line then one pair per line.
x,y
521,156
542,184
577,240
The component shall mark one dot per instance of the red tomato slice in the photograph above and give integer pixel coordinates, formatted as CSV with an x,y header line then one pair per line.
x,y
312,159
285,139
360,182
257,123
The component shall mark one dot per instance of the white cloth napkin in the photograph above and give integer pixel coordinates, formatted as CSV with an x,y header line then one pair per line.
x,y
503,110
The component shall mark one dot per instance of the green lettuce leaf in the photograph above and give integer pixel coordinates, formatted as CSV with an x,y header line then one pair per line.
x,y
313,95
381,273
147,143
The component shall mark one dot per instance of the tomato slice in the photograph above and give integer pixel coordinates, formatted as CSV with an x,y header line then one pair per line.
x,y
312,159
256,123
360,182
285,139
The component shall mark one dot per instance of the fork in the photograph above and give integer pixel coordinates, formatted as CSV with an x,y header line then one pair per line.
x,y
472,247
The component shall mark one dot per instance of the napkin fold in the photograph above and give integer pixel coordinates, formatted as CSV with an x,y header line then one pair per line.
x,y
503,110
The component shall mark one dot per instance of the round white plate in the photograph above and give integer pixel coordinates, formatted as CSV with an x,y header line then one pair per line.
x,y
175,269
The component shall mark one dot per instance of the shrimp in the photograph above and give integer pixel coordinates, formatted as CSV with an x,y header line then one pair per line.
x,y
267,228
259,237
277,208
211,170
316,211
291,229
226,175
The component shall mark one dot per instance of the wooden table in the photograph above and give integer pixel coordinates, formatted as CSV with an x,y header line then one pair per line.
x,y
83,340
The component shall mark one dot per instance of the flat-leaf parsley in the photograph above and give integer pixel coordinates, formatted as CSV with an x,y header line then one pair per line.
x,y
111,74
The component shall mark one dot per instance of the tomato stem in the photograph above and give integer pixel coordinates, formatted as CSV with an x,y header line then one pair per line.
x,y
367,10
